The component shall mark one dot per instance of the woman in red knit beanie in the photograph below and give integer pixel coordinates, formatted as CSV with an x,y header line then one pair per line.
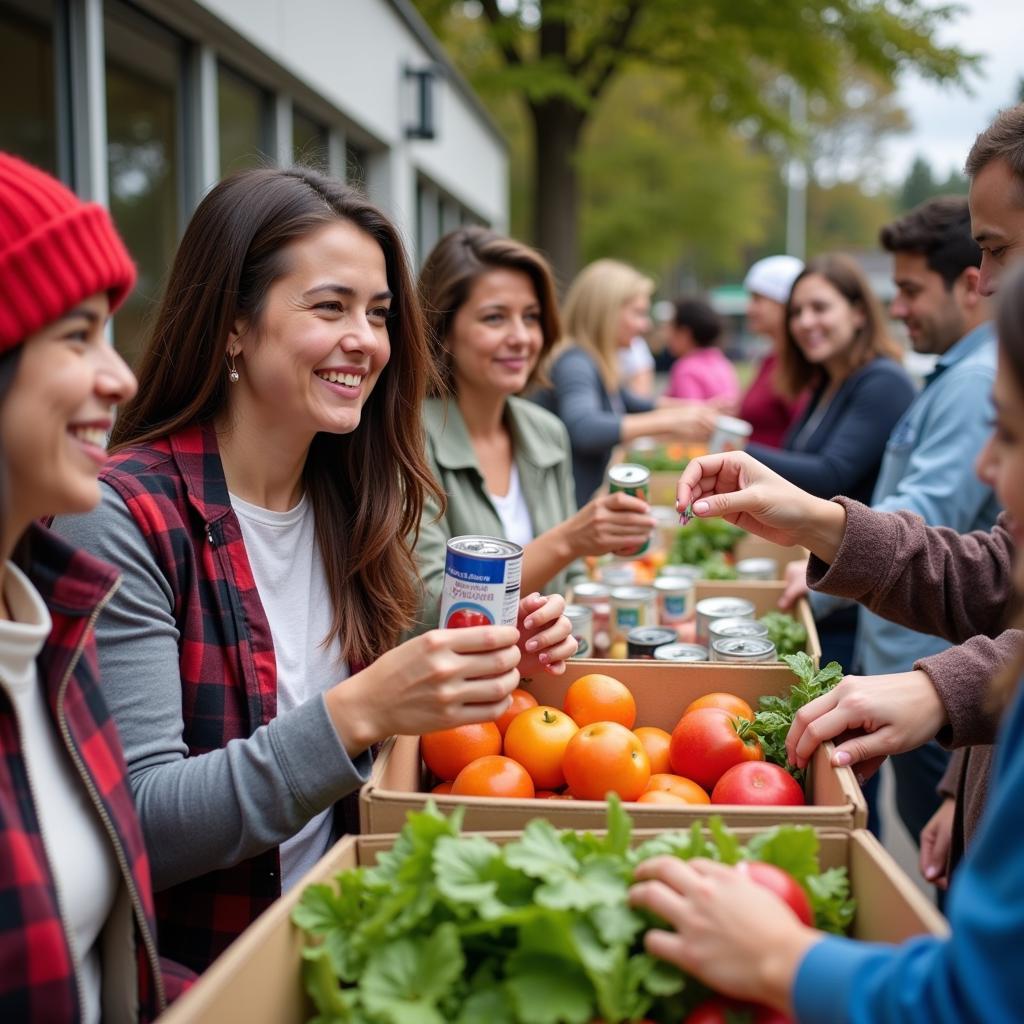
x,y
75,899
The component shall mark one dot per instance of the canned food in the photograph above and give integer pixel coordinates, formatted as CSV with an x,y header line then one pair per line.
x,y
582,619
743,650
720,608
616,574
757,569
596,597
675,599
630,478
481,582
730,435
681,653
643,642
632,607
689,572
720,629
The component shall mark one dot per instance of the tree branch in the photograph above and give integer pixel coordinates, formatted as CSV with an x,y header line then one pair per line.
x,y
610,42
499,23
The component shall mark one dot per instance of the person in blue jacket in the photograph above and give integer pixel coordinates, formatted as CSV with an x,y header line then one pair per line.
x,y
739,938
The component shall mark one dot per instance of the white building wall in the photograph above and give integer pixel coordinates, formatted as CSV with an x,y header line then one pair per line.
x,y
353,53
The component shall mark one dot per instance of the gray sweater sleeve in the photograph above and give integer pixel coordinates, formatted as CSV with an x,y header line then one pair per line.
x,y
212,810
578,391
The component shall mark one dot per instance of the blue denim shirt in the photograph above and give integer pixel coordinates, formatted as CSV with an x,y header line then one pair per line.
x,y
928,468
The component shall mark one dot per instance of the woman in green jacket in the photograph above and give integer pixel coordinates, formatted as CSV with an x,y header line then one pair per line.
x,y
504,462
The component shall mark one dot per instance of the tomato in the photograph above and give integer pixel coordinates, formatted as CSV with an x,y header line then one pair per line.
x,y
521,700
708,741
441,788
783,884
447,751
656,743
537,738
605,757
494,775
726,701
758,782
685,788
725,1011
600,698
463,617
662,796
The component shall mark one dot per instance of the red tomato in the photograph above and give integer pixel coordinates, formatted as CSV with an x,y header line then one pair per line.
x,y
603,758
709,741
783,884
494,775
724,1011
462,617
521,700
758,782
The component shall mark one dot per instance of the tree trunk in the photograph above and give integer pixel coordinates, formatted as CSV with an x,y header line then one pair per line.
x,y
557,129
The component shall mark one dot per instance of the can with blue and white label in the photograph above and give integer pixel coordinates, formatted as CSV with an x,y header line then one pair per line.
x,y
481,582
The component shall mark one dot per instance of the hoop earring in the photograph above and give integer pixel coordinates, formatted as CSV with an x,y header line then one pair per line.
x,y
232,372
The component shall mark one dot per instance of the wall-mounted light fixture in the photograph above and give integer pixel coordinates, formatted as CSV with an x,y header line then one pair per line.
x,y
421,88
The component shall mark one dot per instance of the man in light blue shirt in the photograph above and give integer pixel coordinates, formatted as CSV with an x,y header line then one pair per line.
x,y
928,466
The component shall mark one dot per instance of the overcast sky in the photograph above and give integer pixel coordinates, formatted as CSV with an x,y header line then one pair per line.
x,y
945,120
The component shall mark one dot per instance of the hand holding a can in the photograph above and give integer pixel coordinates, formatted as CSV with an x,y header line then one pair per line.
x,y
738,488
616,523
545,635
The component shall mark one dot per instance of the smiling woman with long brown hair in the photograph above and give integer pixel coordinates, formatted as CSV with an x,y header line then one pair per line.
x,y
262,503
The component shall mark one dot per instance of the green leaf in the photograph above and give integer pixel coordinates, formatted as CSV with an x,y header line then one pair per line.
x,y
830,899
488,1006
546,991
466,870
801,666
620,826
541,853
791,847
727,845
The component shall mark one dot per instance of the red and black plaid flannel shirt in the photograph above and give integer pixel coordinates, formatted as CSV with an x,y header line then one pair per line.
x,y
176,492
37,977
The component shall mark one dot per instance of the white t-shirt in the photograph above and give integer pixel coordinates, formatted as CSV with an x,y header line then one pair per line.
x,y
77,846
290,579
513,511
635,359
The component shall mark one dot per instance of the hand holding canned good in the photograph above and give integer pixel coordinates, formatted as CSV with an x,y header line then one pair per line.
x,y
545,634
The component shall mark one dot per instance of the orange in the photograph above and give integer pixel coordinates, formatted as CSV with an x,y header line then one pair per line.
x,y
447,751
736,706
442,788
656,742
661,796
521,700
605,757
494,775
600,698
537,739
665,782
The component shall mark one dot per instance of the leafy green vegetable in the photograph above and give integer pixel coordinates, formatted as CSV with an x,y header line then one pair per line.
x,y
788,635
775,714
715,567
700,539
657,460
450,927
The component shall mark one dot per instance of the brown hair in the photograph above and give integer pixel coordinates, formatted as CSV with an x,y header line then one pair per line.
x,y
1010,328
938,229
232,252
448,275
1003,139
591,312
871,340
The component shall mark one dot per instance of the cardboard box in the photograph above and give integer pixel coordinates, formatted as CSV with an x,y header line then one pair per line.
x,y
662,692
754,547
258,980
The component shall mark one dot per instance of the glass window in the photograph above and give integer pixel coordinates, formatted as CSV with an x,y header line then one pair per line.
x,y
144,75
244,115
28,86
309,140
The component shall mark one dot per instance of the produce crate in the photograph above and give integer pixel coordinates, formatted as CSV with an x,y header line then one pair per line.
x,y
754,547
259,978
662,691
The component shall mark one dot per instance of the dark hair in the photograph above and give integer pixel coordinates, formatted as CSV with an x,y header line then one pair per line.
x,y
940,230
9,361
872,339
367,488
1003,139
448,275
700,319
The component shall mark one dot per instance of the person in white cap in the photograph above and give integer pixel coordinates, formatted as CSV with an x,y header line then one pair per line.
x,y
768,283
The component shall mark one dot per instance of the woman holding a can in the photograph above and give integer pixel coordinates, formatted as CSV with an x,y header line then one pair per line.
x,y
504,463
605,308
736,936
264,487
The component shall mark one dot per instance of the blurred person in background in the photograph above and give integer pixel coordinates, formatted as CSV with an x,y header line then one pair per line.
x,y
764,407
637,365
701,370
503,462
607,305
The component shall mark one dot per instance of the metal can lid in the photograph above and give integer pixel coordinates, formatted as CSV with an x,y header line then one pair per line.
x,y
753,647
737,627
628,474
757,565
485,547
690,572
723,607
578,612
734,425
632,594
583,593
674,584
651,635
681,652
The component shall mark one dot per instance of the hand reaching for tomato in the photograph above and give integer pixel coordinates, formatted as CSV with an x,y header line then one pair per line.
x,y
545,635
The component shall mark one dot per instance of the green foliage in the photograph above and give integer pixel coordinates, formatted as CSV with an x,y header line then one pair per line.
x,y
921,184
701,539
657,460
775,714
788,635
538,931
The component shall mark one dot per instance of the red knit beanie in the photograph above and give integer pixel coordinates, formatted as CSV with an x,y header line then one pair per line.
x,y
55,251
